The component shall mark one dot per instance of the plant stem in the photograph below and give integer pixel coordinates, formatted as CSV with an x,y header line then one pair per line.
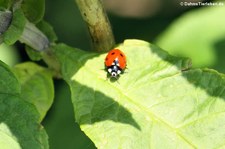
x,y
98,24
37,40
34,38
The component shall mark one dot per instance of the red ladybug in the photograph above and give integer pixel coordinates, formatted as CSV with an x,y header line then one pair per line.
x,y
115,62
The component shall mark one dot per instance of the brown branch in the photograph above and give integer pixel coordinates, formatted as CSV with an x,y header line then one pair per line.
x,y
98,24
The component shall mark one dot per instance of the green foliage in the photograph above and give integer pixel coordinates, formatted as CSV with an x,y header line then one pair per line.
x,y
4,4
36,86
154,105
16,27
9,55
8,83
19,127
159,102
47,29
197,35
33,10
33,54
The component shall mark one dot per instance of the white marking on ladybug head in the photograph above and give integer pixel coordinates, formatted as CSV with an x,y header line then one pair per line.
x,y
113,63
118,64
110,70
118,71
113,74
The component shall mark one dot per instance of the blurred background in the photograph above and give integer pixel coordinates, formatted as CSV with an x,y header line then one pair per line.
x,y
178,26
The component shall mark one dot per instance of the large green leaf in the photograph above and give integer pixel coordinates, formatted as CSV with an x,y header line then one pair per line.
x,y
36,86
158,103
19,127
198,35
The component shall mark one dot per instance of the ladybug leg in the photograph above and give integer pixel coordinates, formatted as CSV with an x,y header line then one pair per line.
x,y
108,76
125,70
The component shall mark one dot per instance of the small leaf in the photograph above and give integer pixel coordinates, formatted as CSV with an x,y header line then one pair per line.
x,y
33,10
37,86
154,105
33,54
16,27
47,29
19,127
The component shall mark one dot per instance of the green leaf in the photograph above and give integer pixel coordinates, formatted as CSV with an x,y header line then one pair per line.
x,y
8,83
196,35
154,105
33,10
9,55
15,30
48,30
36,86
33,54
19,127
5,4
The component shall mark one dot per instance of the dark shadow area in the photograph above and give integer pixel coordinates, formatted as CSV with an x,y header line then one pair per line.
x,y
60,123
145,29
220,53
92,106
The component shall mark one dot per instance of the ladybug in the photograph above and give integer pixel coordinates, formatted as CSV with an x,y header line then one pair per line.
x,y
115,62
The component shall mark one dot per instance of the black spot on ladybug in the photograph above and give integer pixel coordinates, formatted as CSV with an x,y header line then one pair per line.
x,y
121,54
106,59
113,53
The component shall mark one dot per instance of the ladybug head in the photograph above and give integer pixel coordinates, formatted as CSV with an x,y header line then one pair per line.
x,y
114,71
114,74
